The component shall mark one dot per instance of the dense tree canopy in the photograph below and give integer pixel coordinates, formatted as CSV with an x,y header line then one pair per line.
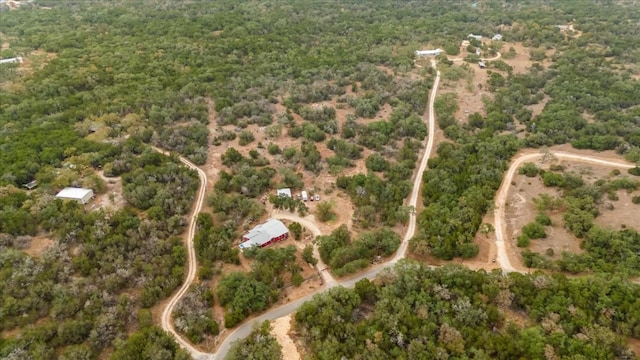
x,y
103,79
411,312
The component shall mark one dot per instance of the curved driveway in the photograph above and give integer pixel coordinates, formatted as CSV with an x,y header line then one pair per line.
x,y
501,197
327,278
165,321
244,330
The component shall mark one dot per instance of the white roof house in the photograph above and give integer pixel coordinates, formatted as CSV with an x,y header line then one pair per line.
x,y
496,37
284,192
429,52
80,195
265,234
15,60
477,37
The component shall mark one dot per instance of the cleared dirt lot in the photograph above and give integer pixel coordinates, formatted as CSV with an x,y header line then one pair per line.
x,y
520,209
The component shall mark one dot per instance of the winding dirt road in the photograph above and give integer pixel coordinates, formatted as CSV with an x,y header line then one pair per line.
x,y
501,197
329,281
165,321
417,182
244,330
327,278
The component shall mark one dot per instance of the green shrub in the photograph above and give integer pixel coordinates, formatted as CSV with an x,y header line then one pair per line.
x,y
543,219
246,137
523,240
534,231
529,169
553,179
274,149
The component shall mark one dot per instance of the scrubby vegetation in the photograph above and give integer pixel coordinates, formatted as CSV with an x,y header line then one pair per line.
x,y
451,312
346,256
103,267
260,344
243,294
606,250
103,80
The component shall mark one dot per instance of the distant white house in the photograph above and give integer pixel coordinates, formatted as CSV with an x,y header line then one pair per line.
x,y
284,192
497,37
429,52
80,195
564,27
15,60
477,37
265,234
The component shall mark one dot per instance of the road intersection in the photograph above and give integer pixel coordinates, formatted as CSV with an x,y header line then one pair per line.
x,y
328,280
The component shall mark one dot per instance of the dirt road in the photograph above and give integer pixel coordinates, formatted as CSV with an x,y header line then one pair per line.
x,y
321,267
287,309
166,322
417,182
501,197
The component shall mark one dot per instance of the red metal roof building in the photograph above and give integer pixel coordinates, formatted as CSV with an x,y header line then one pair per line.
x,y
265,234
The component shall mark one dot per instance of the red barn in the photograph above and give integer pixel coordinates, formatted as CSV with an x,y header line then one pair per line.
x,y
265,234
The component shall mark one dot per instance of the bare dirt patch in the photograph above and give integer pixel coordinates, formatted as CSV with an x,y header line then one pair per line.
x,y
520,208
623,215
634,345
521,63
38,245
112,197
536,109
280,330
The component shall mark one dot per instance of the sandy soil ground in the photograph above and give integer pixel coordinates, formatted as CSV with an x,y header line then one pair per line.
x,y
521,210
281,327
38,245
634,344
112,197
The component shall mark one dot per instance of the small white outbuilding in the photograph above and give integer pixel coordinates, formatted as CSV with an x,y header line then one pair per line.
x,y
429,52
80,195
286,192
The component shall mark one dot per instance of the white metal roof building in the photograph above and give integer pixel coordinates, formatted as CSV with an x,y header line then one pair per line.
x,y
15,60
265,234
80,195
284,192
429,52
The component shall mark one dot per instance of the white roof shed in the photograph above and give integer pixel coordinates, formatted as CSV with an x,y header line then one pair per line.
x,y
429,52
284,192
80,195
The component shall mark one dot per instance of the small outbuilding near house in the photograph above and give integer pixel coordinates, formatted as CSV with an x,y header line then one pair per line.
x,y
80,195
265,234
286,192
429,52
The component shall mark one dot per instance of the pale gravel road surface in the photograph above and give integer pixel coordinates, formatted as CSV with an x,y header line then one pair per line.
x,y
165,321
245,329
330,282
501,197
